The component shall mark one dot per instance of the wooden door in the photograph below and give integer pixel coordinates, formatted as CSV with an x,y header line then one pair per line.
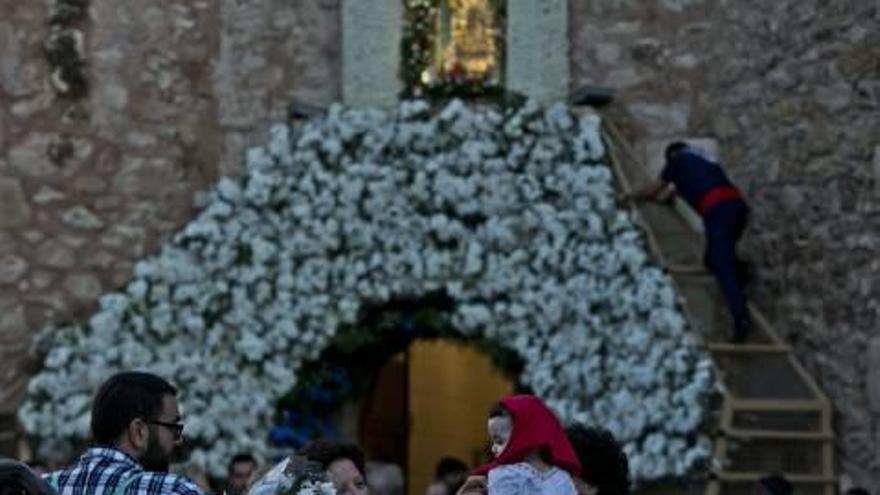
x,y
384,414
451,388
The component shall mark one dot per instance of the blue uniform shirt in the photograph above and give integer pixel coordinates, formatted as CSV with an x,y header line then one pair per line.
x,y
694,175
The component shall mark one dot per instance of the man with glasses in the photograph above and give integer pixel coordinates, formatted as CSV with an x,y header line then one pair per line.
x,y
136,427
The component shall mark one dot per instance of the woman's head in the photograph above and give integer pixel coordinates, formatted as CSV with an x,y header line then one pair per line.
x,y
522,426
500,427
344,464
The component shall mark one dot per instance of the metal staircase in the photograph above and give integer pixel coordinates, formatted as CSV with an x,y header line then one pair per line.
x,y
773,418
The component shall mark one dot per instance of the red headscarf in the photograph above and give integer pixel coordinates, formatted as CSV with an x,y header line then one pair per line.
x,y
534,427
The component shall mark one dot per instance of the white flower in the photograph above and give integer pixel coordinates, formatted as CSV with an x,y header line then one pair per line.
x,y
512,215
312,488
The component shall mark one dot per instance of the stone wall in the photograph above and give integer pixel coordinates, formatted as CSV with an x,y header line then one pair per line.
x,y
178,89
88,185
790,89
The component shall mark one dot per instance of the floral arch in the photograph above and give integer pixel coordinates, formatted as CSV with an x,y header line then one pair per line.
x,y
511,213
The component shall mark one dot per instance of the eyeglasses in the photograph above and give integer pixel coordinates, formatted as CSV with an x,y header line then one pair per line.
x,y
176,427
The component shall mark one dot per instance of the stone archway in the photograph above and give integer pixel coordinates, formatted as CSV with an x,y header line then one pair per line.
x,y
391,380
510,212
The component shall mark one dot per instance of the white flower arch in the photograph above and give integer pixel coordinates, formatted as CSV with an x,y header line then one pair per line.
x,y
512,214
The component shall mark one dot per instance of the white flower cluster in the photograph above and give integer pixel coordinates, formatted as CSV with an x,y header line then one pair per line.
x,y
280,481
512,214
325,488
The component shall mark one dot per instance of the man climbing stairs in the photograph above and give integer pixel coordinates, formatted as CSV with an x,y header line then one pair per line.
x,y
773,418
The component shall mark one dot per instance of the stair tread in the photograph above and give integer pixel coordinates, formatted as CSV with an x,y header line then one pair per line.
x,y
792,477
777,404
748,347
740,433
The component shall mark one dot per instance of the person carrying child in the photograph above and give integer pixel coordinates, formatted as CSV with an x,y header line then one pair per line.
x,y
532,454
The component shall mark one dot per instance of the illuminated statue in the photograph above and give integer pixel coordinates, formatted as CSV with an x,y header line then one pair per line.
x,y
471,48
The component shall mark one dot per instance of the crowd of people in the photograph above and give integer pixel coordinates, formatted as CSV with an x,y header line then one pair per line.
x,y
137,428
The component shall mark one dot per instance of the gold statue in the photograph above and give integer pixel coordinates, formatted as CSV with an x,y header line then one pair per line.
x,y
471,52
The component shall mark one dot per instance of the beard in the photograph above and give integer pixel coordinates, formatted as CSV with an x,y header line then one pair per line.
x,y
155,458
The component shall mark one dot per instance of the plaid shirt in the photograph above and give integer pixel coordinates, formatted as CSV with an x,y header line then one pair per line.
x,y
101,470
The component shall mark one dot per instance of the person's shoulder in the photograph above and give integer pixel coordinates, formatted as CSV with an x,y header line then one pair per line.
x,y
515,467
521,470
556,473
508,479
185,486
170,483
560,482
697,156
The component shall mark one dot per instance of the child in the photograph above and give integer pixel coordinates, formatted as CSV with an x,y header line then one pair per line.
x,y
532,454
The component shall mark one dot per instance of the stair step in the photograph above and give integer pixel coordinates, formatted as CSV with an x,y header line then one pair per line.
x,y
792,477
748,348
750,487
778,420
680,249
772,455
691,487
757,434
777,405
664,220
762,376
703,301
727,477
702,307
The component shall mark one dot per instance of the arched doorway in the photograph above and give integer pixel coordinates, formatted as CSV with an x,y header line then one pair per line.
x,y
429,402
267,290
404,384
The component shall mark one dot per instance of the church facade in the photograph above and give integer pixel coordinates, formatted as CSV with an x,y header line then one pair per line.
x,y
113,117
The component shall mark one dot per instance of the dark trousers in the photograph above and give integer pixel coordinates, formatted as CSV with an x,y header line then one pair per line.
x,y
724,225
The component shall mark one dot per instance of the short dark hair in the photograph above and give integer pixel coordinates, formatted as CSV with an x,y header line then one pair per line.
x,y
16,478
673,148
857,491
498,410
124,397
325,452
449,465
239,458
604,463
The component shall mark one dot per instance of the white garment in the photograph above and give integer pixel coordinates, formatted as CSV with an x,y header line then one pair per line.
x,y
272,482
523,479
